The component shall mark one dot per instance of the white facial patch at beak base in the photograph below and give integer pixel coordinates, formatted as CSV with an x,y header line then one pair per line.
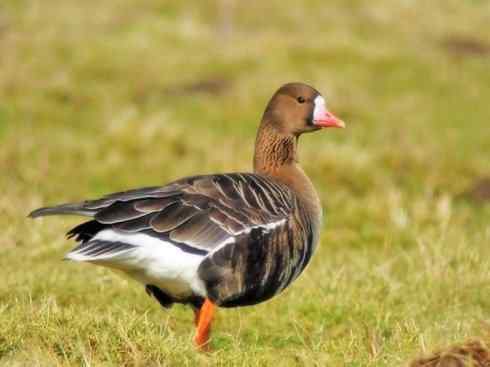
x,y
320,108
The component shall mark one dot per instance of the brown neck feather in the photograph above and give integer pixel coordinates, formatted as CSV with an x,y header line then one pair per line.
x,y
276,157
273,149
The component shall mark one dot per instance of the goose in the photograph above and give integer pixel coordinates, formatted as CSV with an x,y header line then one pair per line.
x,y
219,240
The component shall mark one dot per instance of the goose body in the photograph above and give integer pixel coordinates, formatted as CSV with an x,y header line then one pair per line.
x,y
227,239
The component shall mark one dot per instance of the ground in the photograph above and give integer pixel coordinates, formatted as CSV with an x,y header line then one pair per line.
x,y
102,96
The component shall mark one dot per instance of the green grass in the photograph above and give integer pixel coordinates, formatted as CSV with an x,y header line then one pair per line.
x,y
91,102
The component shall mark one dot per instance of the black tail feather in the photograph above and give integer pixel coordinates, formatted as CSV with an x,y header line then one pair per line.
x,y
163,298
85,231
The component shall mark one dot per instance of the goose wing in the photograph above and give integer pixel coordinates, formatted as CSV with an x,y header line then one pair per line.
x,y
198,214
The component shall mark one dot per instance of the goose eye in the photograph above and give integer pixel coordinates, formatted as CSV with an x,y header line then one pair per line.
x,y
300,99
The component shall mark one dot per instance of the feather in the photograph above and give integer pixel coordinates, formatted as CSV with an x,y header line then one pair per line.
x,y
64,209
199,232
172,217
118,212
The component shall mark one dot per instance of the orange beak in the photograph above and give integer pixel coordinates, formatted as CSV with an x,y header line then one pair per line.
x,y
324,118
327,119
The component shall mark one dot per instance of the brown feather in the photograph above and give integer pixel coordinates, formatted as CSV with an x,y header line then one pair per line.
x,y
154,205
199,232
118,212
172,217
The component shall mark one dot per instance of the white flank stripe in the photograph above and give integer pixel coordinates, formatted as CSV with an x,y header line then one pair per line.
x,y
152,261
268,227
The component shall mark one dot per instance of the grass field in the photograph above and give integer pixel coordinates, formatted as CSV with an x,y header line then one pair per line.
x,y
102,96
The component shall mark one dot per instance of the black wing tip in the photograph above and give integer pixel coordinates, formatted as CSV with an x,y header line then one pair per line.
x,y
37,213
48,210
64,209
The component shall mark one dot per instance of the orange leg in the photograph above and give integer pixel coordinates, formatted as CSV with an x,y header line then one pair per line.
x,y
206,314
